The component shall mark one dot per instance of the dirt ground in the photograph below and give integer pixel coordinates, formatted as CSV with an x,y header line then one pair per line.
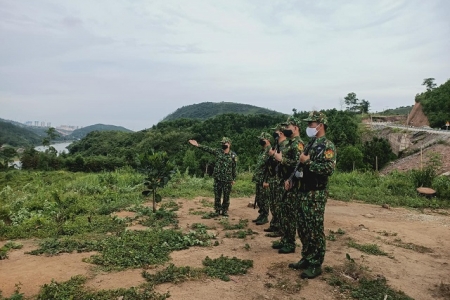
x,y
415,272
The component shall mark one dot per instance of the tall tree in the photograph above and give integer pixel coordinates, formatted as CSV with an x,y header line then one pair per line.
x,y
429,83
351,101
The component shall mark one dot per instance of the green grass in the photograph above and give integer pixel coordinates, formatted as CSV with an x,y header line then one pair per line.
x,y
372,249
220,268
396,189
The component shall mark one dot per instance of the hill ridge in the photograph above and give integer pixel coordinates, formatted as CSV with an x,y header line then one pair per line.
x,y
206,110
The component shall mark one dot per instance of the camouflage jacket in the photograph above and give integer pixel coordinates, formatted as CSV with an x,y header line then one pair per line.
x,y
291,154
323,157
261,165
320,166
225,165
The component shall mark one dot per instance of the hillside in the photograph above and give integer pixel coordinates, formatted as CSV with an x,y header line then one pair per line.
x,y
206,110
17,136
402,110
82,132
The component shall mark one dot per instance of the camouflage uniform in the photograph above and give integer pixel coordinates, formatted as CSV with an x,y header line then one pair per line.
x,y
259,177
313,194
275,191
288,199
224,174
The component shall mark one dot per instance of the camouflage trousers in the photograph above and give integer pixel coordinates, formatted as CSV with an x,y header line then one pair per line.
x,y
288,206
222,187
262,199
310,226
274,202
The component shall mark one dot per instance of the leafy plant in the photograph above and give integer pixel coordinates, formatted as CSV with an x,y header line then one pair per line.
x,y
223,266
74,289
158,172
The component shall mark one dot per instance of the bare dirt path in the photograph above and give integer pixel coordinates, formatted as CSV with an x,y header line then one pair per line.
x,y
415,271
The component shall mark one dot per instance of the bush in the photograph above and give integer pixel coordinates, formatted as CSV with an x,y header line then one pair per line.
x,y
442,186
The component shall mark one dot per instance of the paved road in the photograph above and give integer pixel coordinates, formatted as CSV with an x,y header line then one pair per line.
x,y
410,128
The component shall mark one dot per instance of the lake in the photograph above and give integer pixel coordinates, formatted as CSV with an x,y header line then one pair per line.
x,y
60,147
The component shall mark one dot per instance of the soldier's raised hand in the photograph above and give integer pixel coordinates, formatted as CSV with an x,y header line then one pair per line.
x,y
193,143
278,156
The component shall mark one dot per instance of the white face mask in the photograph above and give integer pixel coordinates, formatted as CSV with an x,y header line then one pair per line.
x,y
311,132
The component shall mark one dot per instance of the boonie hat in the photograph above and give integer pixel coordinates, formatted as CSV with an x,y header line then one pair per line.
x,y
317,116
292,120
225,140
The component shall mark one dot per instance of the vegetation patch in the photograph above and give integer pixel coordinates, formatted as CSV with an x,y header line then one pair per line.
x,y
7,247
355,282
196,226
385,233
442,291
220,268
206,203
173,274
54,246
224,266
332,234
372,249
134,249
159,218
74,289
410,246
227,226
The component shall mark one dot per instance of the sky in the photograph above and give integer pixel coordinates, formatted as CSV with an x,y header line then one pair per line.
x,y
131,63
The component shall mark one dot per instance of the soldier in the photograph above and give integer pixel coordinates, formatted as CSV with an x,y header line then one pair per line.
x,y
224,173
259,177
318,165
288,159
273,182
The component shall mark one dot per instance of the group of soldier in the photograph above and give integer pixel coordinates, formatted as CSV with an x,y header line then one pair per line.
x,y
291,180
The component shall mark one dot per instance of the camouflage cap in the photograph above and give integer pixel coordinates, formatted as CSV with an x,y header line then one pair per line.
x,y
225,140
292,120
317,116
264,136
279,127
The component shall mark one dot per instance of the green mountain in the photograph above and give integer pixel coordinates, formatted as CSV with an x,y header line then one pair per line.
x,y
17,136
402,110
82,132
206,110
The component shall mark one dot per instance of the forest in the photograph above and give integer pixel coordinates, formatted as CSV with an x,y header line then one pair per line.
x,y
108,150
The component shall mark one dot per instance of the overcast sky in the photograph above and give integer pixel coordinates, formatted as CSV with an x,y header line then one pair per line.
x,y
132,62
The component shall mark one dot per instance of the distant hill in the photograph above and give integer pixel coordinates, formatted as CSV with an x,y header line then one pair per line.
x,y
40,131
402,110
206,110
82,132
17,136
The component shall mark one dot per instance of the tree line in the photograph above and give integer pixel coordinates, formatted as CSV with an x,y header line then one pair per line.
x,y
109,150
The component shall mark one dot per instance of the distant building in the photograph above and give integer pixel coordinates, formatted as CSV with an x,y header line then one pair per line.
x,y
36,123
29,123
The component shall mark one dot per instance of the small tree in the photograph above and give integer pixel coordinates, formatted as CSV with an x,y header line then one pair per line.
x,y
158,172
7,155
350,158
51,135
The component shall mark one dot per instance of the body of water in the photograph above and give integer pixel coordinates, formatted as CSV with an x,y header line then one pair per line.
x,y
60,147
